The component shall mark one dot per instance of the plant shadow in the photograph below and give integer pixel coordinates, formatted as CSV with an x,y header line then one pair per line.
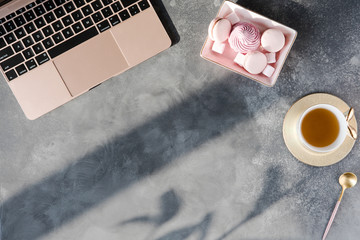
x,y
272,193
123,161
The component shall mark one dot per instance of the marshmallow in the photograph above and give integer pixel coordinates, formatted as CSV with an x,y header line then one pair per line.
x,y
219,47
255,62
219,29
273,40
240,59
268,71
233,18
271,57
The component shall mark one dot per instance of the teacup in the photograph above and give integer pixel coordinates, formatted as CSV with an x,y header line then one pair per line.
x,y
341,133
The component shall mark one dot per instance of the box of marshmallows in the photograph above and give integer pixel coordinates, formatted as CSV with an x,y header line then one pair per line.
x,y
248,43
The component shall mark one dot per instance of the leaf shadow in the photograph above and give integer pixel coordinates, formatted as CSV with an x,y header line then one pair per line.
x,y
170,204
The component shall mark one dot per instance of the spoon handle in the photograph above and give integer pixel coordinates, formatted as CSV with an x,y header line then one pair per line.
x,y
331,220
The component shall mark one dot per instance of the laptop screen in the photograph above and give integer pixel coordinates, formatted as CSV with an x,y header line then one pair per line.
x,y
2,2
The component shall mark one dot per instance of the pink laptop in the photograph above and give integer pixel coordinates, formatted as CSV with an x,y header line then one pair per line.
x,y
52,51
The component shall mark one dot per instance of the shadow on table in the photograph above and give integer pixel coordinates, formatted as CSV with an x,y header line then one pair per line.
x,y
273,191
170,204
121,162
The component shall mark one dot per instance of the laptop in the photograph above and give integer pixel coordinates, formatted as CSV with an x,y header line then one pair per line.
x,y
52,51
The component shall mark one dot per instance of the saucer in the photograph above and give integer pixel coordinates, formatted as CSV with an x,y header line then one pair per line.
x,y
292,140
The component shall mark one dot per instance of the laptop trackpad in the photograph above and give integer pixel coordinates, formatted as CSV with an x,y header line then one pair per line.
x,y
91,63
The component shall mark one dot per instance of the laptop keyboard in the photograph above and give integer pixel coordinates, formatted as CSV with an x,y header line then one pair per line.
x,y
44,29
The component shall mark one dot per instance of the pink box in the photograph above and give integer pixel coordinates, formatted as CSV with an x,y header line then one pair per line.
x,y
226,59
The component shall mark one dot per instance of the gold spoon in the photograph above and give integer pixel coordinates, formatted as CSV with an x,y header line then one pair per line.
x,y
346,180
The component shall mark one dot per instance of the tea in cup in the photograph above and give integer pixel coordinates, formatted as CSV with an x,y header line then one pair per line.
x,y
322,128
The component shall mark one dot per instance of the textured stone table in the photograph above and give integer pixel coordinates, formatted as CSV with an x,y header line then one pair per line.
x,y
178,148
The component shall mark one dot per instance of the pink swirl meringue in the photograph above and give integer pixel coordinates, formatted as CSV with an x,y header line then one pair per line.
x,y
244,38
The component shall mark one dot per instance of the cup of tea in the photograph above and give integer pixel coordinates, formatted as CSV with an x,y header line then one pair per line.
x,y
322,128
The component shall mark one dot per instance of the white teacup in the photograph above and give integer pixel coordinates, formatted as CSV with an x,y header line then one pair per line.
x,y
343,129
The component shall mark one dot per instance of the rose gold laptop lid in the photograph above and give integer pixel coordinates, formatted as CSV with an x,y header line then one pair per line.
x,y
90,63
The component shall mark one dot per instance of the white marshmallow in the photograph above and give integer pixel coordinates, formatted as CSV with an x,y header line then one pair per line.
x,y
233,18
268,71
240,59
218,47
271,57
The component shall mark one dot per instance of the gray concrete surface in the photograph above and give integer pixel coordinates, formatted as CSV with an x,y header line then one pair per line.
x,y
178,148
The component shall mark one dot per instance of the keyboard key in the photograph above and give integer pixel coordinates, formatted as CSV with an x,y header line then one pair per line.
x,y
49,5
144,5
67,32
59,12
5,53
11,75
116,7
28,53
124,15
38,36
39,10
127,3
106,2
58,38
57,26
40,22
67,21
12,62
21,69
18,46
77,15
79,3
69,7
103,26
87,22
134,9
42,58
96,5
30,5
47,31
73,42
30,28
114,20
48,43
20,33
28,41
2,43
9,26
77,27
38,48
31,64
19,21
97,17
2,31
60,2
49,17
11,15
29,15
106,12
87,10
10,38
21,10
2,20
